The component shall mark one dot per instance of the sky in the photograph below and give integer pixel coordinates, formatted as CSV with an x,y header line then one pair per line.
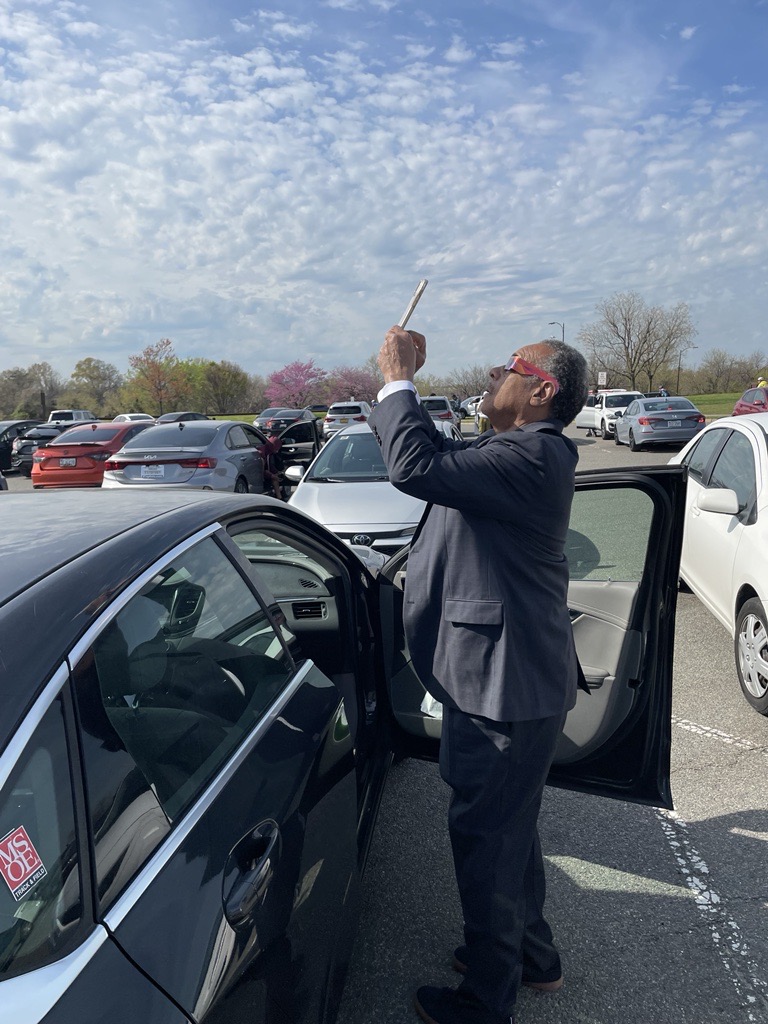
x,y
269,183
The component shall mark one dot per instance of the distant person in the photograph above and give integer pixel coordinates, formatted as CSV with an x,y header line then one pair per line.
x,y
663,392
761,382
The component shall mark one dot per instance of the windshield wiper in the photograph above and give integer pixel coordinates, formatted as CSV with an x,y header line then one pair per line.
x,y
326,480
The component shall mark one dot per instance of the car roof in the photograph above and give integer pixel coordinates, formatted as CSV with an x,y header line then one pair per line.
x,y
87,547
353,428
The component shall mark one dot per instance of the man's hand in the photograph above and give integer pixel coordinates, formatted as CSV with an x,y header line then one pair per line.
x,y
402,354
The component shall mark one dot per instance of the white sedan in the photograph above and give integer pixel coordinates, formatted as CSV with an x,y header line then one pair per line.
x,y
725,543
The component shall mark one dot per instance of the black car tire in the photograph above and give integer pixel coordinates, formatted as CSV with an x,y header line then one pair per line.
x,y
751,626
633,445
241,485
616,436
604,430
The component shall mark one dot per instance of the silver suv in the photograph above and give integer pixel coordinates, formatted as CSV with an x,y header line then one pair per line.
x,y
341,414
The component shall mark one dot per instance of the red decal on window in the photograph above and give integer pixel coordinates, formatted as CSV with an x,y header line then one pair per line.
x,y
20,863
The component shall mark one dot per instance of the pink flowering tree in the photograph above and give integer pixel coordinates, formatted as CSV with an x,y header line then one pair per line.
x,y
296,385
345,382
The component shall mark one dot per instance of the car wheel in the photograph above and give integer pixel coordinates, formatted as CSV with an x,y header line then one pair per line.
x,y
604,431
616,436
633,445
241,486
751,650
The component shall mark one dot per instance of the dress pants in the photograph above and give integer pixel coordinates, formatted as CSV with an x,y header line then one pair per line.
x,y
497,772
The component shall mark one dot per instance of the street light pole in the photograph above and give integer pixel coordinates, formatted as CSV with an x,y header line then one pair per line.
x,y
679,364
561,326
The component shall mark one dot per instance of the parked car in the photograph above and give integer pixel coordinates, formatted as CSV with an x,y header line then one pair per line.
x,y
201,696
658,421
347,489
754,400
9,431
599,412
180,417
439,408
281,418
341,414
133,417
218,455
469,405
725,546
76,458
26,445
3,482
68,417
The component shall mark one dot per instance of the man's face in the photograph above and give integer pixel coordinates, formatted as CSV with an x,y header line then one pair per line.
x,y
508,401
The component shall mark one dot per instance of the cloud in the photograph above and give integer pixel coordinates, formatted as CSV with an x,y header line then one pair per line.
x,y
688,32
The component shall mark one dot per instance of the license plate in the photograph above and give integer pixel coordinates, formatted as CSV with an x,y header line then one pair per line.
x,y
67,462
343,419
674,423
152,472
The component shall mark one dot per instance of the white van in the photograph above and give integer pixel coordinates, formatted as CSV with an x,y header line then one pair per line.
x,y
72,416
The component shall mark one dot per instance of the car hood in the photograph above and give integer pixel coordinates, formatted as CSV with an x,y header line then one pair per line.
x,y
363,504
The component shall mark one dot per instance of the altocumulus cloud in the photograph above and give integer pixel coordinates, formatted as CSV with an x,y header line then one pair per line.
x,y
259,184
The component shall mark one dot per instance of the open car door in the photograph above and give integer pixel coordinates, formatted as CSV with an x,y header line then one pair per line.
x,y
301,443
623,549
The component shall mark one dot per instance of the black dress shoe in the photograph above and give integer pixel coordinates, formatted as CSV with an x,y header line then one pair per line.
x,y
459,963
454,1006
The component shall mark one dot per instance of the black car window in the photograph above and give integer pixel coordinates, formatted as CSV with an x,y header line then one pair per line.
x,y
40,889
237,438
185,671
350,457
349,410
608,534
698,457
80,435
667,404
174,435
299,432
735,469
617,401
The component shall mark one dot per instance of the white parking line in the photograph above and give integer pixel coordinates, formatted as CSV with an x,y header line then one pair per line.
x,y
717,734
734,953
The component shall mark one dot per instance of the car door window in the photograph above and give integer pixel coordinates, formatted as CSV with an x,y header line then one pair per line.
x,y
40,894
633,409
699,456
735,469
749,396
237,438
168,690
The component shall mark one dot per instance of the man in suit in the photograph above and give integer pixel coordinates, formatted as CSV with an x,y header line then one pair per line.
x,y
488,628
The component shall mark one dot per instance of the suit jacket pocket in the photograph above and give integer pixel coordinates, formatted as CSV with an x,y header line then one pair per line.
x,y
475,613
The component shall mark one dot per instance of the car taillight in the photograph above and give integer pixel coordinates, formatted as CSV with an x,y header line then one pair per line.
x,y
201,463
358,419
644,421
99,456
110,464
445,416
701,419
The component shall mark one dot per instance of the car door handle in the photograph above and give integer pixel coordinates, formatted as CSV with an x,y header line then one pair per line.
x,y
256,857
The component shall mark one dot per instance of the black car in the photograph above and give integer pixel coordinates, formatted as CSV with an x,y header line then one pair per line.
x,y
9,431
272,421
26,444
201,696
177,417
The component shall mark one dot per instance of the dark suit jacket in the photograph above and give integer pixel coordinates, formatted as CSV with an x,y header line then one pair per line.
x,y
486,614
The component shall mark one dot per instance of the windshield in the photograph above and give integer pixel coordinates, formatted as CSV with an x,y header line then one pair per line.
x,y
344,410
86,435
349,457
174,435
618,401
666,403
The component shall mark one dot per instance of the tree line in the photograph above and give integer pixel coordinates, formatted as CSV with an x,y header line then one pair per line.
x,y
635,345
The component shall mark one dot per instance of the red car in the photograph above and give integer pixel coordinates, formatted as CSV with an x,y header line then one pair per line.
x,y
76,458
754,400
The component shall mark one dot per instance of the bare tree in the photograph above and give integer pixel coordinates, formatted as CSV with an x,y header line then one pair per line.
x,y
633,341
469,380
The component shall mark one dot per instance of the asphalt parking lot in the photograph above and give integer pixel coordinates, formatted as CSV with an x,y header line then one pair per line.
x,y
661,917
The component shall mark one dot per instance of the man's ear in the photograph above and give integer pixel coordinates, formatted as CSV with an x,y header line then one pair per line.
x,y
543,393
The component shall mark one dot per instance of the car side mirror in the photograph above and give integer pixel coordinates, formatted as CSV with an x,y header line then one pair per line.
x,y
294,474
718,499
618,413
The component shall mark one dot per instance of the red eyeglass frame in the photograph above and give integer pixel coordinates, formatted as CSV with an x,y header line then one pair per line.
x,y
519,365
